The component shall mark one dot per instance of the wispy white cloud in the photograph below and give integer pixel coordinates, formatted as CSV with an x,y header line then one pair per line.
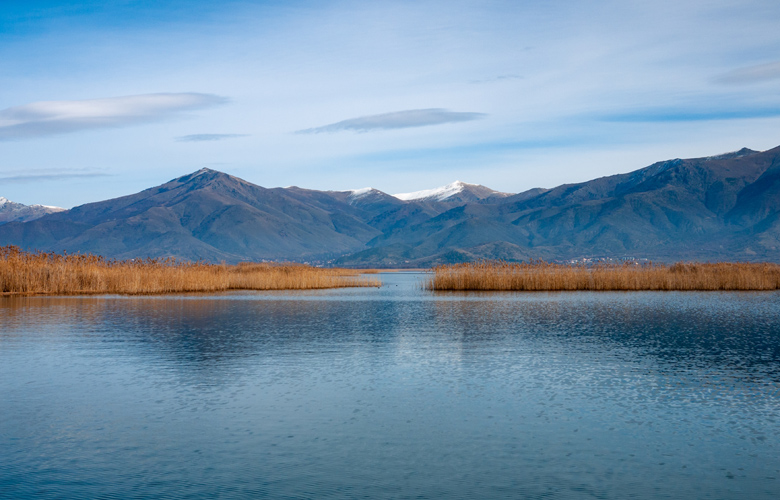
x,y
499,78
751,74
46,118
208,137
691,114
25,178
399,119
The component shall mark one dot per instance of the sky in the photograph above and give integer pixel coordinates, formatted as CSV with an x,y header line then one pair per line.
x,y
100,99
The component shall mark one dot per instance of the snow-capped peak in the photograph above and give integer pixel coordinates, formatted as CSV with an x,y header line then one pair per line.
x,y
5,202
11,211
359,193
438,194
364,193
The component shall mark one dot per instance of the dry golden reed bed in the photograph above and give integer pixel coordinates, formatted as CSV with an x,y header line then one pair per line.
x,y
543,276
49,273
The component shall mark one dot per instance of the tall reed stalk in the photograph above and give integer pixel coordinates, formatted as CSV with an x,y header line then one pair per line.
x,y
545,276
50,273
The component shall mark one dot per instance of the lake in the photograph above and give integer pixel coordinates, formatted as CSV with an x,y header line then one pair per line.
x,y
391,392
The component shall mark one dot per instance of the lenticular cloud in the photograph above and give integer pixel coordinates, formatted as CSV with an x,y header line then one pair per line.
x,y
57,117
398,119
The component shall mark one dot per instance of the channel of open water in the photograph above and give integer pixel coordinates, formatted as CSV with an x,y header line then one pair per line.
x,y
391,392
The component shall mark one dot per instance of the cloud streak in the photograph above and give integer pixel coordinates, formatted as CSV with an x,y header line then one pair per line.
x,y
751,74
208,137
399,119
499,78
21,179
45,118
691,115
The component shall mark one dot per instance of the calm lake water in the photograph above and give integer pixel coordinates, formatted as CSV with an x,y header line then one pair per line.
x,y
391,393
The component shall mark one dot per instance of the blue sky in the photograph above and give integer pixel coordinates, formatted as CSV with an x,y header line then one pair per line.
x,y
102,99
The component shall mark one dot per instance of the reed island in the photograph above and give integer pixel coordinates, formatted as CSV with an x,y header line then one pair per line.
x,y
545,276
35,273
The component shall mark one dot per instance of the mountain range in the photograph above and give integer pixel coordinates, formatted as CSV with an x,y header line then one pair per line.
x,y
724,207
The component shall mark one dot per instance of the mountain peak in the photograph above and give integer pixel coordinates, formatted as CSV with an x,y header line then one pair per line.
x,y
355,194
204,174
733,154
454,191
12,211
438,194
207,171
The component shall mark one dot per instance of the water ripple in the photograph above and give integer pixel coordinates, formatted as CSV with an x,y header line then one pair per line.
x,y
391,393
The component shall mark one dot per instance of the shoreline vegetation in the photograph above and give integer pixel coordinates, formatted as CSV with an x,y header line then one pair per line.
x,y
544,276
37,273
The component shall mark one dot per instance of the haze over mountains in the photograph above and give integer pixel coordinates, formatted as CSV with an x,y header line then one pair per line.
x,y
724,207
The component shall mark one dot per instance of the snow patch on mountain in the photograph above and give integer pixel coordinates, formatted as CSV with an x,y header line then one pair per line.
x,y
438,194
12,211
361,193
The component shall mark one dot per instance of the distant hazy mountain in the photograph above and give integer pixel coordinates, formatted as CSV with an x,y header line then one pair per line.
x,y
10,211
719,207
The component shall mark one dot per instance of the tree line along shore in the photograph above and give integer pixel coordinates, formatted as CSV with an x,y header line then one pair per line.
x,y
545,276
31,273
